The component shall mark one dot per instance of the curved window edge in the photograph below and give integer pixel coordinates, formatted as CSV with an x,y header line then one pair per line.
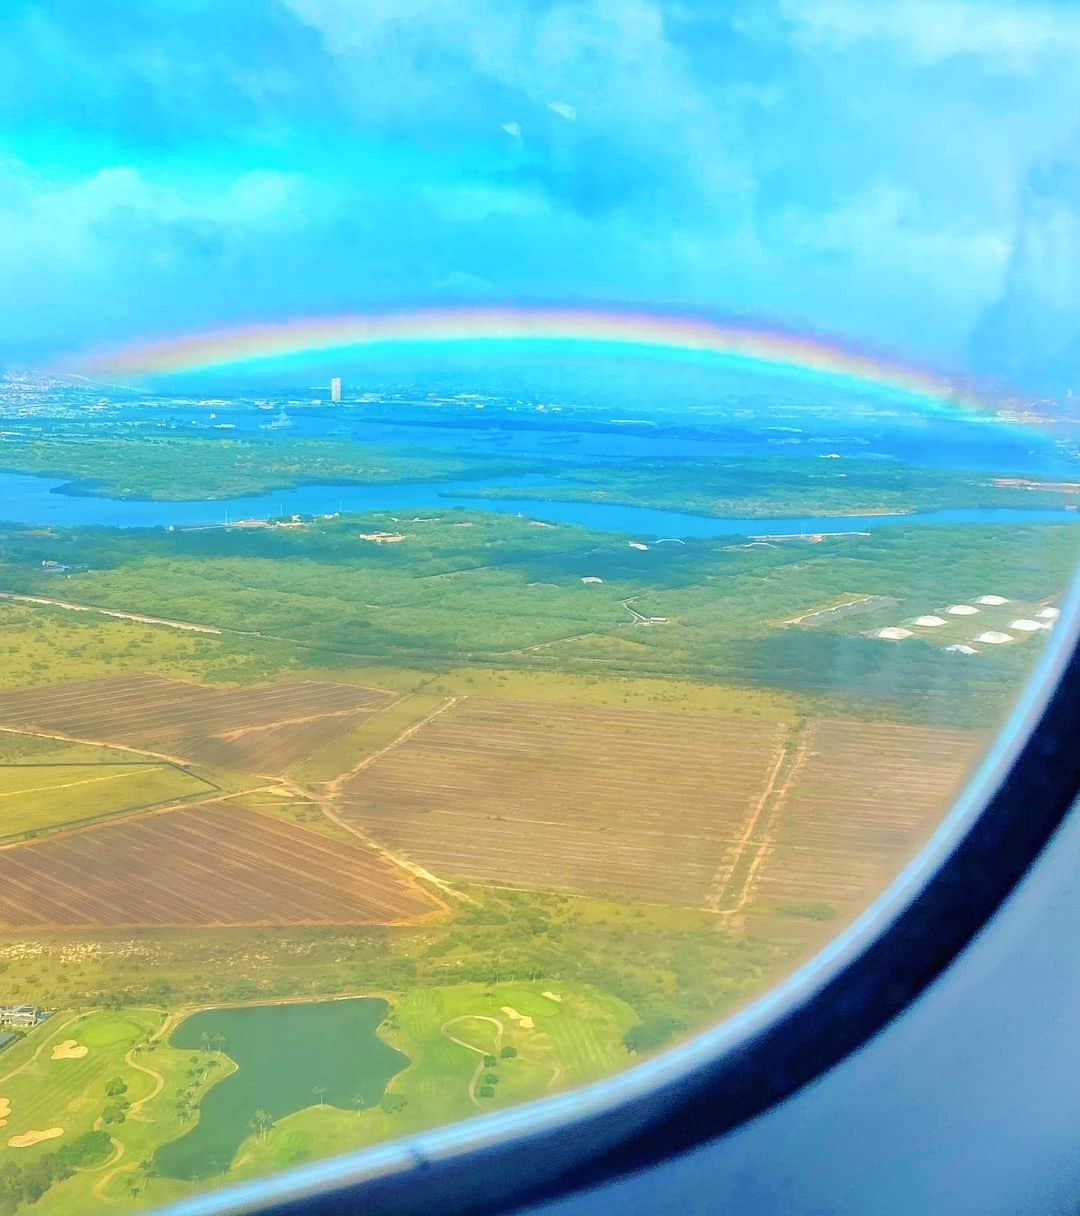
x,y
782,1041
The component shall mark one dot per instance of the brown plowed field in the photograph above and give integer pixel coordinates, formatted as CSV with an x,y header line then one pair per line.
x,y
263,728
210,865
578,798
864,797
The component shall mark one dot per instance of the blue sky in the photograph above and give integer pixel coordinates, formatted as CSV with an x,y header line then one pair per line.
x,y
906,174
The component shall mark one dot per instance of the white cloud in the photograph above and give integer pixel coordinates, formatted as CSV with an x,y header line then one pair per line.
x,y
513,129
1006,36
1032,331
641,89
563,109
885,236
109,235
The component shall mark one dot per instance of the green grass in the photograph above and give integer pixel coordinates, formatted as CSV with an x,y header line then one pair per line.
x,y
70,1094
17,748
41,645
36,797
637,692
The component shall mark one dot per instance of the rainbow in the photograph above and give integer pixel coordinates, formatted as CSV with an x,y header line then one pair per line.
x,y
757,348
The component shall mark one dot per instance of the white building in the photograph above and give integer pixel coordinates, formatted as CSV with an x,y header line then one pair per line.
x,y
21,1015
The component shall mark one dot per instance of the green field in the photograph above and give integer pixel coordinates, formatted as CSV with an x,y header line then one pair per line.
x,y
42,645
500,593
158,1084
69,1093
40,796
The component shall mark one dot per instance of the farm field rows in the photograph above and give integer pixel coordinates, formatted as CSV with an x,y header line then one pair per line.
x,y
706,809
207,865
266,726
864,795
579,798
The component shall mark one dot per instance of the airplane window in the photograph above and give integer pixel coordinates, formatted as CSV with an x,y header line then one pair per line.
x,y
517,523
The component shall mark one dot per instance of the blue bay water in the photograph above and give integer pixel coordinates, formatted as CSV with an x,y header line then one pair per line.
x,y
40,501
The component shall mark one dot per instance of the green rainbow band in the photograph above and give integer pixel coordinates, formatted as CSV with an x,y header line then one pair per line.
x,y
765,348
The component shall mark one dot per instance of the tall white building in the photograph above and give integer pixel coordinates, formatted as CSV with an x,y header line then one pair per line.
x,y
335,389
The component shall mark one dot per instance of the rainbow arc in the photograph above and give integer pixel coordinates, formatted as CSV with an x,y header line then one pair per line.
x,y
757,348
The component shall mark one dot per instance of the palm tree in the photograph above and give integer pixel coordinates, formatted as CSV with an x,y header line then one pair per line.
x,y
318,1091
261,1123
359,1102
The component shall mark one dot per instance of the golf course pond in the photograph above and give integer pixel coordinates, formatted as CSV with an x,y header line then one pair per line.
x,y
288,1057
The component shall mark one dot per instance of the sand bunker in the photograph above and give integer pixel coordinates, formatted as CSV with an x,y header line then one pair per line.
x,y
551,996
962,610
1023,625
995,600
523,1020
892,633
962,649
930,622
1048,614
382,538
992,638
5,1111
68,1050
29,1139
636,544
